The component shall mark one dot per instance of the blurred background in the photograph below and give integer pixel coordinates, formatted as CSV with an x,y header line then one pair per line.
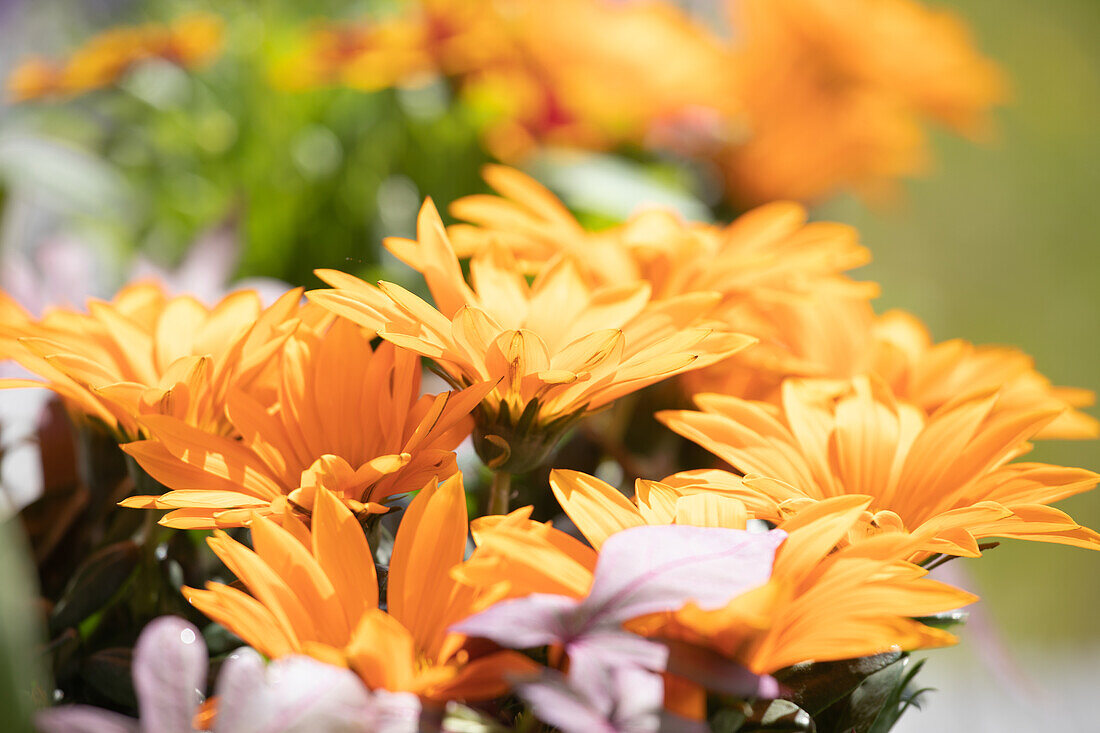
x,y
223,142
1002,244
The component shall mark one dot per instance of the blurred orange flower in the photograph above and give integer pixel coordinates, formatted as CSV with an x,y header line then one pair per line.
x,y
836,335
144,353
596,74
346,419
932,374
806,97
587,73
835,93
189,41
550,350
826,335
366,56
315,592
945,480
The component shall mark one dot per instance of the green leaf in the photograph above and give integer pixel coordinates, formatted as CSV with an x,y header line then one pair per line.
x,y
860,710
874,705
95,583
817,686
772,715
108,672
21,673
728,720
63,653
101,465
945,620
778,717
901,698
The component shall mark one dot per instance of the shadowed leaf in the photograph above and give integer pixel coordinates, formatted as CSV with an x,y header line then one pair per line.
x,y
816,686
95,582
108,673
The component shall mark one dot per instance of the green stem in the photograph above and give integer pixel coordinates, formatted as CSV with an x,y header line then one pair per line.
x,y
500,492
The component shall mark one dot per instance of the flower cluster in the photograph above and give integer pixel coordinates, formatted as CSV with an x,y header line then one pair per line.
x,y
849,453
527,67
792,99
795,99
189,41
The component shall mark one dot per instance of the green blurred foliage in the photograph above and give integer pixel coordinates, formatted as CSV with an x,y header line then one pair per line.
x,y
21,673
1001,243
314,178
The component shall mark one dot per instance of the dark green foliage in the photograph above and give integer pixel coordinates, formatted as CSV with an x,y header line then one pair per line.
x,y
775,716
96,581
865,695
815,687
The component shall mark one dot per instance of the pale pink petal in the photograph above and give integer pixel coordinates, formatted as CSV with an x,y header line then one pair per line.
x,y
555,701
394,712
649,569
83,719
240,679
715,672
169,674
524,623
300,694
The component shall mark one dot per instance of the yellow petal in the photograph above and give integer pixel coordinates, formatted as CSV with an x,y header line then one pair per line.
x,y
597,509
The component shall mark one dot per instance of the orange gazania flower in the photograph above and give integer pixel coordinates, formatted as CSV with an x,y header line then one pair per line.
x,y
822,603
346,418
315,592
527,556
144,353
190,41
932,374
835,93
780,278
530,222
550,350
945,479
599,510
840,337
